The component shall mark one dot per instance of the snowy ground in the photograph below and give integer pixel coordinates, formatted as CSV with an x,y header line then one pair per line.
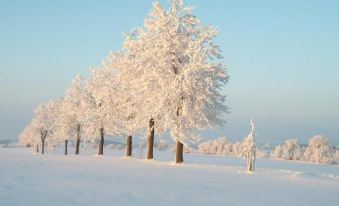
x,y
28,179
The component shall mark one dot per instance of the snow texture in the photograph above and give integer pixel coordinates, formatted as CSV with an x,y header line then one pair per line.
x,y
28,179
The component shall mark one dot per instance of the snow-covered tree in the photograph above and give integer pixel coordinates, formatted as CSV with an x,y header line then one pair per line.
x,y
62,126
30,136
278,151
175,74
44,120
319,150
249,148
102,116
292,149
72,112
124,109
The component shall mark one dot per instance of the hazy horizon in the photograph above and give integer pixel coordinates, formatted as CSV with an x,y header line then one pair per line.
x,y
282,59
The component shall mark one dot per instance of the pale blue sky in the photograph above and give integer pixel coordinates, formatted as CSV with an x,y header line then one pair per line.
x,y
283,58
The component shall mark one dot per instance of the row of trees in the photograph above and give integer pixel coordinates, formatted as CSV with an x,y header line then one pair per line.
x,y
167,77
319,150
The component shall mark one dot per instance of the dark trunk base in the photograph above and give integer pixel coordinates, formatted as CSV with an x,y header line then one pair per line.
x,y
77,146
66,143
101,145
43,147
179,153
150,140
129,146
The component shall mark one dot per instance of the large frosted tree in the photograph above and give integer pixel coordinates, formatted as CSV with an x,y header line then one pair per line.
x,y
175,73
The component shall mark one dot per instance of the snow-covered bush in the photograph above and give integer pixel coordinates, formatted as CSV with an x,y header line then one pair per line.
x,y
319,150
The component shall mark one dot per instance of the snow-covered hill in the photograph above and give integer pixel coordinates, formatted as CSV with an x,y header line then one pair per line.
x,y
28,179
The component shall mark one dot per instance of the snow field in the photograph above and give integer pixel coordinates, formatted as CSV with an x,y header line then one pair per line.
x,y
55,179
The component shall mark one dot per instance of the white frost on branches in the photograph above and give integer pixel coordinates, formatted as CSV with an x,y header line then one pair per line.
x,y
169,71
291,150
174,73
42,126
319,150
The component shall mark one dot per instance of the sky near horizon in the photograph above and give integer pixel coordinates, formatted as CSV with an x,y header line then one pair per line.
x,y
283,59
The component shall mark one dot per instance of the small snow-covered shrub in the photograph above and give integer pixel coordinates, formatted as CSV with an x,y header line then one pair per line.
x,y
319,150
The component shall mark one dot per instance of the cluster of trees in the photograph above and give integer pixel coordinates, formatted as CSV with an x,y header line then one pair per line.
x,y
167,77
319,150
222,146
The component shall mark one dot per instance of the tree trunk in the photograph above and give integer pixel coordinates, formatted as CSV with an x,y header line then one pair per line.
x,y
129,146
37,148
179,152
150,140
66,142
42,146
101,145
77,146
248,162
